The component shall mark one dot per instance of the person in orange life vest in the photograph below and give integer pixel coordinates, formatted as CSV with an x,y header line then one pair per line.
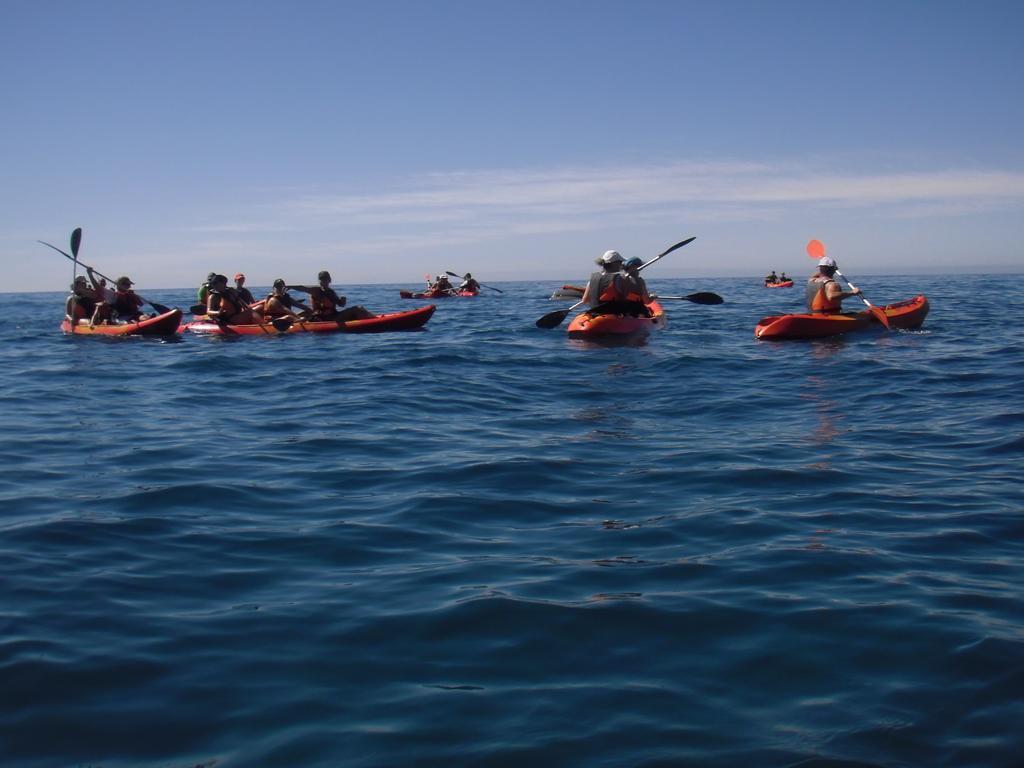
x,y
243,293
442,285
824,295
635,286
127,305
606,288
224,306
280,304
326,302
81,303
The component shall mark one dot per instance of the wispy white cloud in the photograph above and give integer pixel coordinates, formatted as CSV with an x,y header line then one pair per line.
x,y
463,206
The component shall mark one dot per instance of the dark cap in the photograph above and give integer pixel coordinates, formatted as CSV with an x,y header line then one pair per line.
x,y
280,282
324,275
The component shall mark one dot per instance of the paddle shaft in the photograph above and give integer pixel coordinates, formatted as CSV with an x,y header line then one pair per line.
x,y
878,312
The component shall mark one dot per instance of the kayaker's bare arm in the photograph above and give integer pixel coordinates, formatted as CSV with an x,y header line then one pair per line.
x,y
835,293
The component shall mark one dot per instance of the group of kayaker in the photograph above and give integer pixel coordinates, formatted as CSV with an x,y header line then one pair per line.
x,y
96,301
772,279
442,285
236,306
618,287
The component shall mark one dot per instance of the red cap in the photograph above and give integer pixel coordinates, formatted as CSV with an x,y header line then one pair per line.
x,y
239,276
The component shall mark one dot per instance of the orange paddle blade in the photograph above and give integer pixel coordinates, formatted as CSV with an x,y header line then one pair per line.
x,y
880,315
815,249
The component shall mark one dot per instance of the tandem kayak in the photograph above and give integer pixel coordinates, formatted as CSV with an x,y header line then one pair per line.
x,y
161,325
904,314
587,325
783,284
437,294
394,321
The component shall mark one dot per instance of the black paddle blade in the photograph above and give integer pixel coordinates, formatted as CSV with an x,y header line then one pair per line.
x,y
553,319
196,309
687,241
160,308
76,241
281,324
705,297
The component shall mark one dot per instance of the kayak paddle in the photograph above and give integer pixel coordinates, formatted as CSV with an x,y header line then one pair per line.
x,y
76,241
554,319
816,250
704,297
480,284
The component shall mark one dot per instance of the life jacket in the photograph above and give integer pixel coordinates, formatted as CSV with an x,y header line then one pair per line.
x,y
126,303
604,287
228,307
82,307
633,288
324,302
817,299
286,301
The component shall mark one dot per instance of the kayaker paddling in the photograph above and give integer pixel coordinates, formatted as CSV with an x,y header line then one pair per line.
x,y
223,304
326,303
127,304
607,291
770,278
280,304
203,292
81,303
824,294
635,286
243,293
469,285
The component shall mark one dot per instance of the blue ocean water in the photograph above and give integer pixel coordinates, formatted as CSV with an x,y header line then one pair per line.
x,y
486,544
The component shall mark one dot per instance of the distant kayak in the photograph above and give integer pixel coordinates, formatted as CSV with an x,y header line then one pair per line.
x,y
586,325
436,294
783,284
904,314
574,292
394,321
161,325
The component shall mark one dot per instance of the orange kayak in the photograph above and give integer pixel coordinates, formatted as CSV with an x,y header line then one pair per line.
x,y
904,314
161,325
783,284
586,324
394,321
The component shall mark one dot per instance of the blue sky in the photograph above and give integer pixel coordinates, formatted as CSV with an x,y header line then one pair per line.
x,y
517,140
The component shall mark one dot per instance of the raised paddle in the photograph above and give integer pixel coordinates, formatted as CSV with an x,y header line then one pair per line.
x,y
76,241
704,297
554,319
816,250
463,277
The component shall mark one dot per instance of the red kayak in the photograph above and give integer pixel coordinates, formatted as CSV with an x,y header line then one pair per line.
x,y
436,294
904,314
568,292
586,325
395,321
783,284
161,325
